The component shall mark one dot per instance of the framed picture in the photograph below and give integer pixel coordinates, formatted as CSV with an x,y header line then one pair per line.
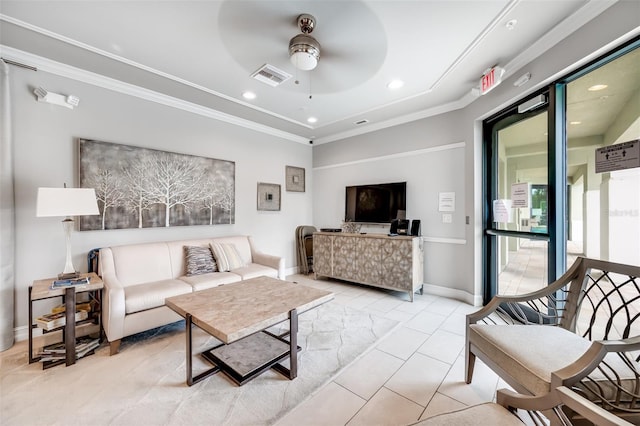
x,y
146,188
268,196
294,179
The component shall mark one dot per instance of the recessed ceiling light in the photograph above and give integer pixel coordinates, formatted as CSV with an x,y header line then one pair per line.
x,y
395,84
597,87
511,24
312,120
249,95
575,122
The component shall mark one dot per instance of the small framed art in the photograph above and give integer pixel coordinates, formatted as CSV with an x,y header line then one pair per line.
x,y
294,179
268,196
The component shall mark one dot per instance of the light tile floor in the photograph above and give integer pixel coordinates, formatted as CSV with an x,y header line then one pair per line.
x,y
415,372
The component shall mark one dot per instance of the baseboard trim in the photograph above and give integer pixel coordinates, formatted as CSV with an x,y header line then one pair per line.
x,y
292,271
21,333
452,293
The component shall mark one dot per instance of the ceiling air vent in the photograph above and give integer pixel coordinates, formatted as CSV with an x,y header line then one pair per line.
x,y
271,75
360,122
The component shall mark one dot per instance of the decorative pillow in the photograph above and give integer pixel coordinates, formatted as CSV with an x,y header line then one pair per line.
x,y
199,260
227,256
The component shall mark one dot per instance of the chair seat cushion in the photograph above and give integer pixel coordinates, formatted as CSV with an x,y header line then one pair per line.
x,y
205,281
253,270
152,294
482,414
529,353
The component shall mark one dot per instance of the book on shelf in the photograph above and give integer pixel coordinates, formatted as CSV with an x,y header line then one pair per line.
x,y
51,321
57,352
69,283
80,306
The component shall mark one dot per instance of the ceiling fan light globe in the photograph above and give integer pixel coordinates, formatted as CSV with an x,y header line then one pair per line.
x,y
304,52
304,61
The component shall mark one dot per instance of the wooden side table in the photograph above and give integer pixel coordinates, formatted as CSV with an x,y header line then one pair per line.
x,y
41,290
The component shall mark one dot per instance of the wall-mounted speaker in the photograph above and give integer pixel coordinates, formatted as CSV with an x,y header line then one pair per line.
x,y
415,227
394,227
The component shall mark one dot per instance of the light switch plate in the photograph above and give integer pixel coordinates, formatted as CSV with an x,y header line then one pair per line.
x,y
447,218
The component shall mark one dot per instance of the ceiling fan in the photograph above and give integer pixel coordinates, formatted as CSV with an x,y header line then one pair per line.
x,y
284,36
304,50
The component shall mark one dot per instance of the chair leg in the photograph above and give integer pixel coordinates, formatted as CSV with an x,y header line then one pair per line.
x,y
471,361
114,347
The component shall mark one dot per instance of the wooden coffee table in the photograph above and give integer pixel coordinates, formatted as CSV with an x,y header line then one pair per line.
x,y
238,314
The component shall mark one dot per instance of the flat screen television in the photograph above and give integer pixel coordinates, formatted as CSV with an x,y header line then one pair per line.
x,y
375,203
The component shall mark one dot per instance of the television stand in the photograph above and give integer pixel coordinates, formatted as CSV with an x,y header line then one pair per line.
x,y
379,260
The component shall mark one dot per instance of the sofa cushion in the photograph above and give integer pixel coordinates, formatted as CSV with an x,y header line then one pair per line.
x,y
152,294
227,256
141,263
204,281
253,270
199,260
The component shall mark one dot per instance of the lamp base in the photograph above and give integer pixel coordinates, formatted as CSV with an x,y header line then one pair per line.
x,y
68,275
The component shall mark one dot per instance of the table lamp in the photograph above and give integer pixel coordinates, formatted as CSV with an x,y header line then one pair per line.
x,y
67,202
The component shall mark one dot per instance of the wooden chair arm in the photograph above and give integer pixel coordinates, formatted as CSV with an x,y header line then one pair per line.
x,y
543,293
590,360
510,399
552,401
589,410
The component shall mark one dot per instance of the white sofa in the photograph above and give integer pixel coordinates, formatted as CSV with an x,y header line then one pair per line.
x,y
138,277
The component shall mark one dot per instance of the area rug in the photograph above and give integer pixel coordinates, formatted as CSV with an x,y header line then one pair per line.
x,y
145,383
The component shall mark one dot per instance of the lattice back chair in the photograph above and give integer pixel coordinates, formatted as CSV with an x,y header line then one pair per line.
x,y
582,331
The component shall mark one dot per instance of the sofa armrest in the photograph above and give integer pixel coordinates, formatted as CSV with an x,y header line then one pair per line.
x,y
275,262
113,300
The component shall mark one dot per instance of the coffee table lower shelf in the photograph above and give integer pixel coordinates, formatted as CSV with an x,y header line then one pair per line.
x,y
245,359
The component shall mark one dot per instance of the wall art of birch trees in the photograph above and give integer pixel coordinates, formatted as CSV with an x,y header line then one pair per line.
x,y
145,188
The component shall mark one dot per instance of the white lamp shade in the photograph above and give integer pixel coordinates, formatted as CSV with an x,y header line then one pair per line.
x,y
66,202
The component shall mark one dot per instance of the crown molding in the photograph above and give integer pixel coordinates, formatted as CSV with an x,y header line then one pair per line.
x,y
140,66
589,11
67,71
419,115
392,156
585,14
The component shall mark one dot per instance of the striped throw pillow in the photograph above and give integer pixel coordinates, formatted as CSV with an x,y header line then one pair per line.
x,y
199,260
227,256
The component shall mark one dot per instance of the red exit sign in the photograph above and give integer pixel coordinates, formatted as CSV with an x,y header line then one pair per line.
x,y
491,79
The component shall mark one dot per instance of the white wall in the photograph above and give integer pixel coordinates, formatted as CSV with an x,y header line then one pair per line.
x,y
46,155
453,267
431,164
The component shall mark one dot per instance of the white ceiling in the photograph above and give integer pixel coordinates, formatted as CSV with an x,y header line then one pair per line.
x,y
204,52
